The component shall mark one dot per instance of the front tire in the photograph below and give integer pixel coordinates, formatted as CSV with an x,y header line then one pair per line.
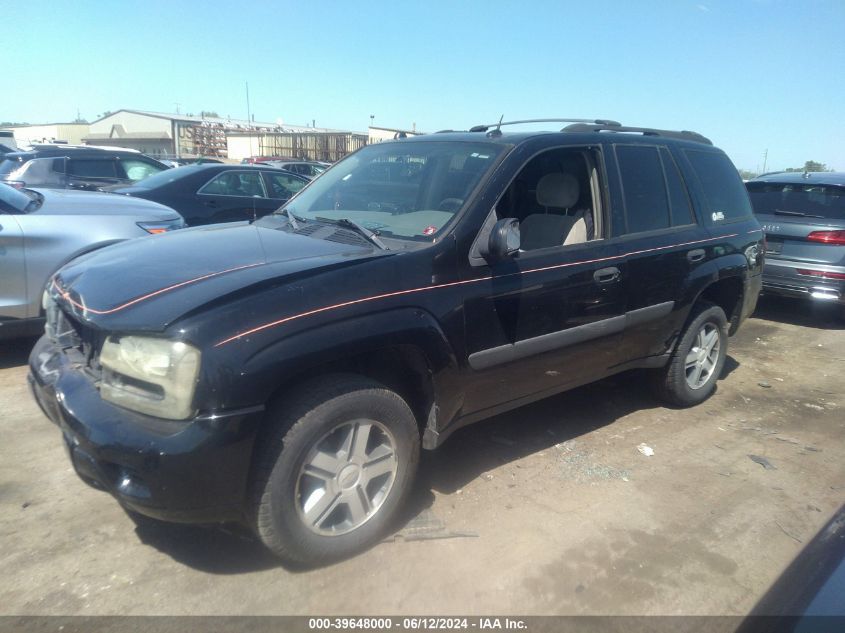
x,y
696,364
333,469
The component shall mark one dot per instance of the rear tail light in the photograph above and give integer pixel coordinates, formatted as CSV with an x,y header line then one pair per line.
x,y
162,227
824,274
828,237
17,184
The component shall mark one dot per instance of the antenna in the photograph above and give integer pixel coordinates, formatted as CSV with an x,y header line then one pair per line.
x,y
498,131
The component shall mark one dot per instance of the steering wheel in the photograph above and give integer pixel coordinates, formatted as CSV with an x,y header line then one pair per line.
x,y
450,204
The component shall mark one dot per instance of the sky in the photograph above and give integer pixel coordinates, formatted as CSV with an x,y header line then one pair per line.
x,y
761,78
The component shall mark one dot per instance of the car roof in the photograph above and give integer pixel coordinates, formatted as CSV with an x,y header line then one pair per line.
x,y
568,137
210,167
53,152
813,177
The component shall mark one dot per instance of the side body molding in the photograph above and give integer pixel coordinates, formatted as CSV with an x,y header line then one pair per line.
x,y
547,342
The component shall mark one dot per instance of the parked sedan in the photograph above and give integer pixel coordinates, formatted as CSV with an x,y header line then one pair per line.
x,y
208,194
43,229
803,216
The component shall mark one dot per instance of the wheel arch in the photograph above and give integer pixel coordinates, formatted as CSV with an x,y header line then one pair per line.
x,y
404,349
721,282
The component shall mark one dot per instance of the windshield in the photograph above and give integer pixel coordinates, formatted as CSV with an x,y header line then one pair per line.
x,y
13,200
404,190
824,201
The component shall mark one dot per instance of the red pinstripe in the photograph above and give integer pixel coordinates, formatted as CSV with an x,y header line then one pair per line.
x,y
66,295
454,283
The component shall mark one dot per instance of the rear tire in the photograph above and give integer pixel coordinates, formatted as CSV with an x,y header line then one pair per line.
x,y
333,469
696,364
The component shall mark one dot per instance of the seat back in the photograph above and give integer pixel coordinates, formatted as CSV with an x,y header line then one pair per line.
x,y
558,192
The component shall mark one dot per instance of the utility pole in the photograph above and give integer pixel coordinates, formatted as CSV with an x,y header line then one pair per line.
x,y
177,107
248,119
765,159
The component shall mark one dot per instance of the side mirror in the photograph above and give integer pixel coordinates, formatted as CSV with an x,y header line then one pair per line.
x,y
504,240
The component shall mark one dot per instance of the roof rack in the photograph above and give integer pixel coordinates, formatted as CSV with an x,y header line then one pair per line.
x,y
597,126
487,126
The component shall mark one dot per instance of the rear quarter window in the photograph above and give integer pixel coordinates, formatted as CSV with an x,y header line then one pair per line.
x,y
724,194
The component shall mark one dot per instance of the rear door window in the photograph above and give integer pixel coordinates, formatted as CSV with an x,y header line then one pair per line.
x,y
823,201
282,186
721,185
92,168
235,183
679,203
644,188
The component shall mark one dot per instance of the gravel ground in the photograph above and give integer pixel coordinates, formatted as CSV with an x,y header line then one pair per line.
x,y
549,509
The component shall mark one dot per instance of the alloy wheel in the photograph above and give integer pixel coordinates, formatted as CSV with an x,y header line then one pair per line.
x,y
346,477
702,358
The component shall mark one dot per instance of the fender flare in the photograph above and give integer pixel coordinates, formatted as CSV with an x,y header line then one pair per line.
x,y
733,265
283,360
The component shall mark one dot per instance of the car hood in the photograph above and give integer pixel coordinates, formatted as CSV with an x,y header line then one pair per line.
x,y
71,202
148,283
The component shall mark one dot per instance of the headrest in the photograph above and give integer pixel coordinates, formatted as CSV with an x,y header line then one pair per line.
x,y
558,190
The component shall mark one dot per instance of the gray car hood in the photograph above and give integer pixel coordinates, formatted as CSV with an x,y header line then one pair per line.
x,y
70,202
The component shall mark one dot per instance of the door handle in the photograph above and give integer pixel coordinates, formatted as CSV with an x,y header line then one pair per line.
x,y
696,255
606,275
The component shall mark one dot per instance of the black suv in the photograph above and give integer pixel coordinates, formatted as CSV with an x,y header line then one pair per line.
x,y
76,167
286,373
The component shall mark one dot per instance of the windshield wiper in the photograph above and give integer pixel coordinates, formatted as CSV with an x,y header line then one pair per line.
x,y
797,214
363,230
292,218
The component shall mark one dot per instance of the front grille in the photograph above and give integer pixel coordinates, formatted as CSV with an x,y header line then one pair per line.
x,y
77,341
59,327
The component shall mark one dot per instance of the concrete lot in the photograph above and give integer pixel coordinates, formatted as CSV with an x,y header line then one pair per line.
x,y
550,509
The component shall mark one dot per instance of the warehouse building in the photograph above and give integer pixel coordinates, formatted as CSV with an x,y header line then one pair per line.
x,y
72,133
295,142
161,134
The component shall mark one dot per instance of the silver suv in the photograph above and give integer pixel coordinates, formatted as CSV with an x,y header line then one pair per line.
x,y
43,229
803,216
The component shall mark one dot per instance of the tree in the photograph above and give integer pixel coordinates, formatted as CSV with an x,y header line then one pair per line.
x,y
104,114
810,165
746,174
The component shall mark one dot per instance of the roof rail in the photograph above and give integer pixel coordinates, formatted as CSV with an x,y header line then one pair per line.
x,y
487,126
684,135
